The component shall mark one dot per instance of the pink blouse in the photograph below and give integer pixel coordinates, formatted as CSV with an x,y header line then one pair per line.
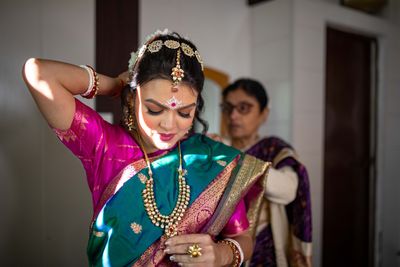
x,y
105,149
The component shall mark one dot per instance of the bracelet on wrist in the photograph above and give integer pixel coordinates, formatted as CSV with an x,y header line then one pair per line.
x,y
237,259
236,243
93,86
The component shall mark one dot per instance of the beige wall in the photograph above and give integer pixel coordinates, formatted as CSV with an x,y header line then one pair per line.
x,y
271,62
44,201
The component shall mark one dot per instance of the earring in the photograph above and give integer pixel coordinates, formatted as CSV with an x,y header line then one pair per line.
x,y
130,123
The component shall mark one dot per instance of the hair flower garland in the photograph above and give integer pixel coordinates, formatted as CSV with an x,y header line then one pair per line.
x,y
138,54
135,55
132,61
157,33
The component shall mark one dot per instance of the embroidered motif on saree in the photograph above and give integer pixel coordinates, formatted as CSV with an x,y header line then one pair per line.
x,y
136,228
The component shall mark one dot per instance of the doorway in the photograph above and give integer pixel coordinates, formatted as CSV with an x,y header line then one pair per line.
x,y
349,162
117,35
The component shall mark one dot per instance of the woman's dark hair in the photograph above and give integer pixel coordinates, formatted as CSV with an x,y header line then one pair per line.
x,y
252,88
158,65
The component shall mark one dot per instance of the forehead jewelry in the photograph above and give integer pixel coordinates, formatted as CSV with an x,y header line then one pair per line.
x,y
156,46
177,73
173,103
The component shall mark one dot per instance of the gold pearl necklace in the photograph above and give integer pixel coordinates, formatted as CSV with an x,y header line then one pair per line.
x,y
167,222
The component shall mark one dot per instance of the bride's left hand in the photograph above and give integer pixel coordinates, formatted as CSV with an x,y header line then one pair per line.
x,y
212,253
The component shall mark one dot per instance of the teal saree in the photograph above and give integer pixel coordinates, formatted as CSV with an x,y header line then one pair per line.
x,y
219,176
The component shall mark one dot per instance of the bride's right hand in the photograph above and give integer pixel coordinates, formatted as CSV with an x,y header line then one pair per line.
x,y
121,80
124,77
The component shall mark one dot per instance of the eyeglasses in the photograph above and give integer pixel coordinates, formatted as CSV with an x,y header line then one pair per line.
x,y
243,108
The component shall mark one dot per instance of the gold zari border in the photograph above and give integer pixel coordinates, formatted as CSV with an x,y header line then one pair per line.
x,y
252,171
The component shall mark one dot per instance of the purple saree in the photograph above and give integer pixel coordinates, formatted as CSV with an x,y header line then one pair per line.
x,y
298,212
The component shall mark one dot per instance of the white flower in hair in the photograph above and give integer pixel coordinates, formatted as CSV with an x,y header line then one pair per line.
x,y
132,83
138,54
135,56
132,61
157,33
141,51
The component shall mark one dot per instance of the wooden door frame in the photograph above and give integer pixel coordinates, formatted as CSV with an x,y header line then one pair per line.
x,y
117,35
373,131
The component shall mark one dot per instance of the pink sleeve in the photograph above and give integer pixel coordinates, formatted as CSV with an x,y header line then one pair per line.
x,y
238,222
85,137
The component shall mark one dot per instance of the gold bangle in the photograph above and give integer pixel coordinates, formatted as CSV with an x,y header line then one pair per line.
x,y
235,252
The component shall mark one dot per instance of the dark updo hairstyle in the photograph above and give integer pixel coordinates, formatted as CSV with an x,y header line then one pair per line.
x,y
252,88
158,65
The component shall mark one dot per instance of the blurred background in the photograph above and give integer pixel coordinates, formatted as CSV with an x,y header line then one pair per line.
x,y
331,69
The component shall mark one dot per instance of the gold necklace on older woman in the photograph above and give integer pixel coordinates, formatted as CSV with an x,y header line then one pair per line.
x,y
167,222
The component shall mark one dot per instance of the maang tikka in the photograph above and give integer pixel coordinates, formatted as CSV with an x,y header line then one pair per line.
x,y
177,73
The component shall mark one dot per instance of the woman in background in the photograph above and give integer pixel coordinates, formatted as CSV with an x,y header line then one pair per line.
x,y
284,227
161,196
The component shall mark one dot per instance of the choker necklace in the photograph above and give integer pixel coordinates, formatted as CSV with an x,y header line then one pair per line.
x,y
167,222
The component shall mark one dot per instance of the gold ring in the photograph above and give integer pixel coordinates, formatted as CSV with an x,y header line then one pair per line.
x,y
194,251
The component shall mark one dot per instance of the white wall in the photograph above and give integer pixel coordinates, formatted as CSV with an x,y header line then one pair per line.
x,y
45,205
271,62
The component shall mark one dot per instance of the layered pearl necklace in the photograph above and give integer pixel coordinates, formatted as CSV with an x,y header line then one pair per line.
x,y
167,222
